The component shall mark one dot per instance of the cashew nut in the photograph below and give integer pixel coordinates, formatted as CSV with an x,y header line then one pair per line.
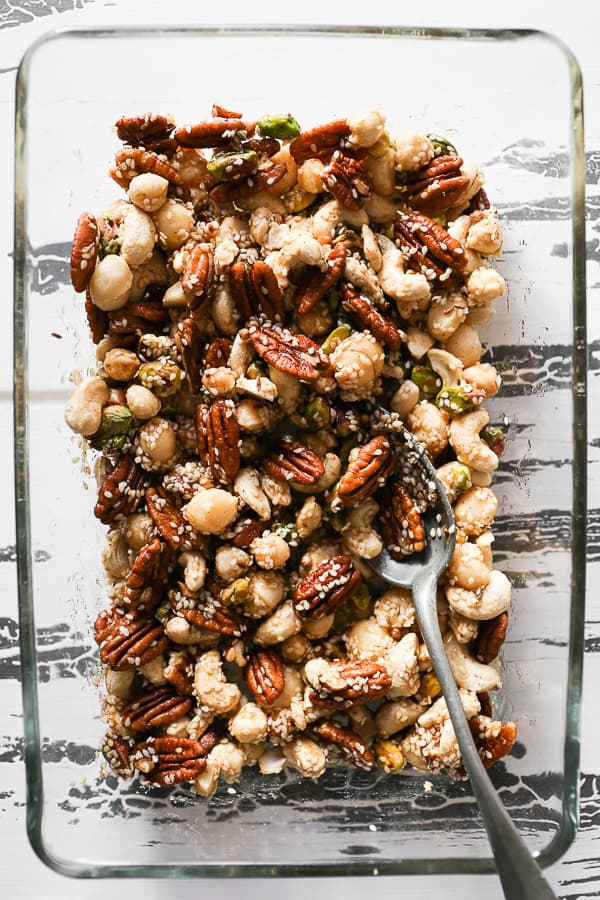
x,y
468,672
466,443
83,412
484,604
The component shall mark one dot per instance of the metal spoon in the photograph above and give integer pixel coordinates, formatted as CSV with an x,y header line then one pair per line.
x,y
521,877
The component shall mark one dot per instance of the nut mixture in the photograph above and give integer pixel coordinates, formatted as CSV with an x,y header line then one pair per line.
x,y
252,292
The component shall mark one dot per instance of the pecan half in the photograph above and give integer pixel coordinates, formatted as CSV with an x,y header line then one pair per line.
x,y
350,744
191,348
313,284
264,146
218,436
198,277
217,352
326,588
132,161
288,352
255,290
219,112
169,520
179,671
320,142
264,676
169,760
121,491
428,247
128,639
438,185
97,318
154,709
116,750
490,638
149,569
214,133
347,180
485,703
268,174
400,522
146,316
367,472
150,131
246,530
367,316
362,680
493,739
204,611
84,251
479,201
293,461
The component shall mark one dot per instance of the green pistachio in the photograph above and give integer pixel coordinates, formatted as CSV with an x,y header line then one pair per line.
x,y
289,532
236,592
108,246
389,756
282,127
252,447
245,159
296,200
442,146
494,437
162,376
459,398
318,413
430,686
257,369
348,236
115,423
337,520
348,445
426,380
455,477
162,612
346,422
335,337
361,600
382,146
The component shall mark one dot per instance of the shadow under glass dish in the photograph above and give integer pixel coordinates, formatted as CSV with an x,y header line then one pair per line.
x,y
529,142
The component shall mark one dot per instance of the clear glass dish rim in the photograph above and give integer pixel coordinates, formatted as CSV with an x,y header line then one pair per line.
x,y
32,744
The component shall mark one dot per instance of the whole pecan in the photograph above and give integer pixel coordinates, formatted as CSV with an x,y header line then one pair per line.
x,y
169,520
169,760
400,522
490,638
205,611
154,709
320,142
362,680
350,744
264,676
255,290
146,316
313,284
97,318
367,316
116,750
132,161
217,352
367,471
121,491
268,174
438,185
198,277
347,180
214,133
151,131
326,588
292,461
190,346
288,352
493,739
149,569
218,436
84,251
179,671
128,639
428,247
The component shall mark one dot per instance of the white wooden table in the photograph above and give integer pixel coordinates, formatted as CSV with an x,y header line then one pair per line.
x,y
577,875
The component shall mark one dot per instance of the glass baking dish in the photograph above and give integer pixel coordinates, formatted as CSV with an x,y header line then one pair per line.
x,y
509,99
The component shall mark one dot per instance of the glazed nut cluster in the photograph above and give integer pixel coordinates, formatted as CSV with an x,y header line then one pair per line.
x,y
253,293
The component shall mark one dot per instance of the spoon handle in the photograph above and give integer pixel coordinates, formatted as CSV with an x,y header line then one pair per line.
x,y
521,877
